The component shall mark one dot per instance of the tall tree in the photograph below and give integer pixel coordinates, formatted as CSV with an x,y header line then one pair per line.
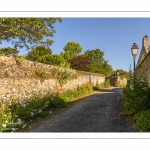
x,y
108,70
9,51
71,50
95,55
80,63
27,32
36,53
97,62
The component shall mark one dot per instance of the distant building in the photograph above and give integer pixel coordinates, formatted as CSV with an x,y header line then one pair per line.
x,y
116,79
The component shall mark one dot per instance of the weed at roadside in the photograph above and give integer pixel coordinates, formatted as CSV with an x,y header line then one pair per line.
x,y
137,102
15,115
142,120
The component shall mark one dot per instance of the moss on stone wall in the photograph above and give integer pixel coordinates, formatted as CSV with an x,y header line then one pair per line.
x,y
21,81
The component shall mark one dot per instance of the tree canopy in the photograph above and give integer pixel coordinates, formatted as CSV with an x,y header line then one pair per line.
x,y
97,62
9,51
95,55
80,62
36,53
27,32
55,59
71,50
121,73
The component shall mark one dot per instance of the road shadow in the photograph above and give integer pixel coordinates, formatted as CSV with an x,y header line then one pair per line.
x,y
112,89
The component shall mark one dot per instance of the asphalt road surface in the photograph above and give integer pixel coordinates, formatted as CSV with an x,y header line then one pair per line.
x,y
98,112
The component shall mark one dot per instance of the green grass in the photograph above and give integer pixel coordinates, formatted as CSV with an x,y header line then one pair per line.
x,y
16,115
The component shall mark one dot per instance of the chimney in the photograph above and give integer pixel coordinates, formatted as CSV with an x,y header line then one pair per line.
x,y
145,43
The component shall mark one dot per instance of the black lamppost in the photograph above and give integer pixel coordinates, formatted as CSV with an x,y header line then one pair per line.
x,y
134,51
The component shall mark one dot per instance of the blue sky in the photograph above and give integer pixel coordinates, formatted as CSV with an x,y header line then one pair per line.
x,y
114,36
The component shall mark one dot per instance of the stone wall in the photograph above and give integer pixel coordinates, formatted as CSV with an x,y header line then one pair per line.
x,y
143,65
144,49
9,60
115,80
20,81
122,81
143,69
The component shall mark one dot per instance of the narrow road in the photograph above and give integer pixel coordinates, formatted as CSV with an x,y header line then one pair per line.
x,y
98,112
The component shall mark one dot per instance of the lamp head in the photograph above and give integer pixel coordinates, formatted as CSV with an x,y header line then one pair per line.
x,y
134,49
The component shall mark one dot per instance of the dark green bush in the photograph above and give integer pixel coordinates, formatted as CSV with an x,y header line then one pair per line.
x,y
142,120
107,83
59,102
137,97
55,59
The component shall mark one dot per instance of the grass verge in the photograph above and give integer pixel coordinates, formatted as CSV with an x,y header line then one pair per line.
x,y
20,116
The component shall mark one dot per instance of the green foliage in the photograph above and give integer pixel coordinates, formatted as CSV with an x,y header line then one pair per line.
x,y
85,88
27,32
36,106
80,63
55,72
136,97
137,102
97,63
56,60
107,83
59,102
71,50
121,85
107,69
41,73
20,59
15,113
8,120
142,120
118,71
122,74
36,53
79,91
95,55
64,75
67,95
9,51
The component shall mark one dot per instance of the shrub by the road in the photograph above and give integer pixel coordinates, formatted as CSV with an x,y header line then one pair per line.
x,y
137,102
14,114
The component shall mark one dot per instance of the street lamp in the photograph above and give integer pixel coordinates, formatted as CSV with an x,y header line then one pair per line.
x,y
134,51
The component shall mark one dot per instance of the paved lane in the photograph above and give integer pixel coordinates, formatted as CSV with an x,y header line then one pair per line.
x,y
95,113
